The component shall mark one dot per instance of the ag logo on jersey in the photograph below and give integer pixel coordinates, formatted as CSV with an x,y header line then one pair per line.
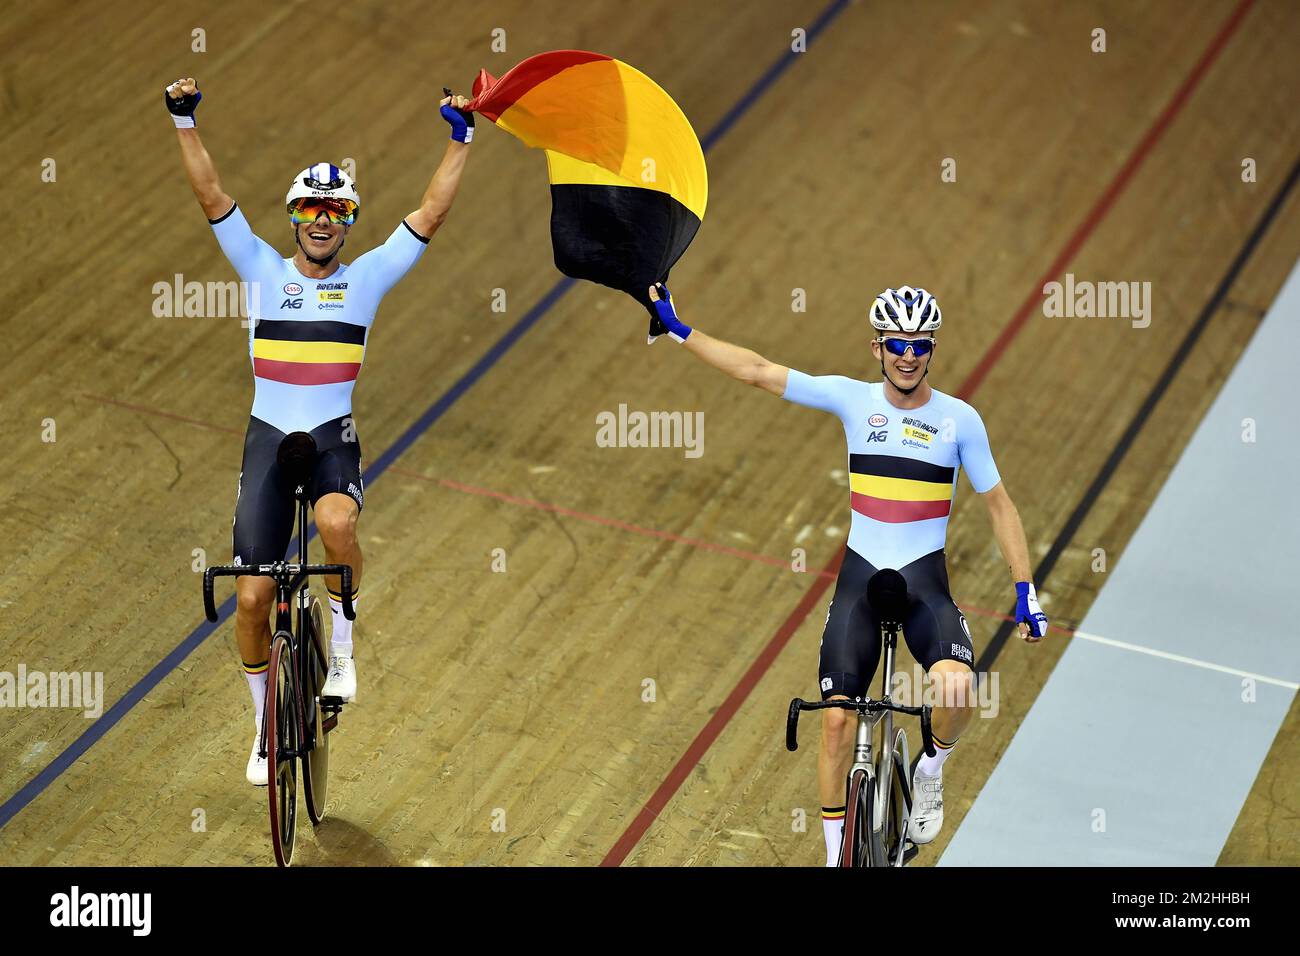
x,y
291,304
877,436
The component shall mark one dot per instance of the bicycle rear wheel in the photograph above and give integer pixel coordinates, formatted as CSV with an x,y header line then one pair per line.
x,y
316,740
283,729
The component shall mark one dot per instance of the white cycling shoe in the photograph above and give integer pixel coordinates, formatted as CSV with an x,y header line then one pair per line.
x,y
927,807
341,680
256,772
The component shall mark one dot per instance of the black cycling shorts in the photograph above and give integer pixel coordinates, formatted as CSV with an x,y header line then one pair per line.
x,y
934,627
265,508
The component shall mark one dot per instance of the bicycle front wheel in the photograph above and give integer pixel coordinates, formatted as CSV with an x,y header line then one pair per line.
x,y
899,803
861,845
283,726
316,741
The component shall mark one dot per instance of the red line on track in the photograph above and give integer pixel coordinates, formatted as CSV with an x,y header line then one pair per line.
x,y
595,519
722,716
147,410
641,823
826,574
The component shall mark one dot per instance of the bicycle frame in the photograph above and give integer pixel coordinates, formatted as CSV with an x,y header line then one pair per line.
x,y
290,581
865,740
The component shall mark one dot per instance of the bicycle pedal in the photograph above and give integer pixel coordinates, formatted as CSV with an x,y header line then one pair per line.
x,y
910,852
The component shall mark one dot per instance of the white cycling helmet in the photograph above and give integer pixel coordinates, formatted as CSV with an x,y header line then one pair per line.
x,y
326,181
905,310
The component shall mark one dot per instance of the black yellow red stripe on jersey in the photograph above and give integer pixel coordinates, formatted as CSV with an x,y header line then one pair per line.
x,y
897,489
308,353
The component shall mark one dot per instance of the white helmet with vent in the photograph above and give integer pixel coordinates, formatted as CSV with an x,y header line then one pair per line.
x,y
323,181
905,310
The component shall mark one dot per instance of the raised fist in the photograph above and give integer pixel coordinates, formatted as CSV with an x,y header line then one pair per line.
x,y
182,98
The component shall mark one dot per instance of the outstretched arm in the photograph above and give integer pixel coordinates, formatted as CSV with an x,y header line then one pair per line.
x,y
742,364
183,96
446,181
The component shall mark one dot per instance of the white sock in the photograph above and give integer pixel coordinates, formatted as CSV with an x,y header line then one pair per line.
x,y
341,632
257,688
930,766
833,831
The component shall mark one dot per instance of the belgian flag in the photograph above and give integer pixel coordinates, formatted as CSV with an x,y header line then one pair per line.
x,y
628,180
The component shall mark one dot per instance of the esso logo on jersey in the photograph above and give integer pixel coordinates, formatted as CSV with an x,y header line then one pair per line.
x,y
292,288
877,421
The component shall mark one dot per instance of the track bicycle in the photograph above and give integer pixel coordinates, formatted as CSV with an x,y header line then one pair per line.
x,y
878,800
297,720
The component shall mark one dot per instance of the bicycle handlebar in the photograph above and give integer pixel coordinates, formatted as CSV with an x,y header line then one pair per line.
x,y
280,570
862,707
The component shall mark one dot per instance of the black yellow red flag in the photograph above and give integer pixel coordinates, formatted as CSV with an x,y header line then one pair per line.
x,y
628,180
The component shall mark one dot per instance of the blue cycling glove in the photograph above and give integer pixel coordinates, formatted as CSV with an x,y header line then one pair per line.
x,y
674,326
461,121
182,108
1028,611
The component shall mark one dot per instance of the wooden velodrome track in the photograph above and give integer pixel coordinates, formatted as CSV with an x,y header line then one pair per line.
x,y
523,691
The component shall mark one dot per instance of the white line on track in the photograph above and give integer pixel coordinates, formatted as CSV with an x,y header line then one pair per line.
x,y
1122,645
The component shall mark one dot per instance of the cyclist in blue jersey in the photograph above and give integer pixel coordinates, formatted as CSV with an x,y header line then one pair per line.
x,y
906,443
309,318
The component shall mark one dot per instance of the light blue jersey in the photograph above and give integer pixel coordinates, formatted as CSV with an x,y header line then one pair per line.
x,y
903,463
308,339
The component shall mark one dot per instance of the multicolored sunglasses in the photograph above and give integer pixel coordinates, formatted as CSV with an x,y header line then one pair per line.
x,y
341,212
897,346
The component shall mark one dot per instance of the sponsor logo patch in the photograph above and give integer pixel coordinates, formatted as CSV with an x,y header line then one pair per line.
x,y
877,436
877,421
918,434
961,652
917,423
292,288
827,683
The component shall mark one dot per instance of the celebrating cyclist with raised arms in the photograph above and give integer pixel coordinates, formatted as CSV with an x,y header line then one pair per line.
x,y
309,317
906,443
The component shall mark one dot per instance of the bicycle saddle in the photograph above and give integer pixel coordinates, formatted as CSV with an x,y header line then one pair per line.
x,y
296,458
887,595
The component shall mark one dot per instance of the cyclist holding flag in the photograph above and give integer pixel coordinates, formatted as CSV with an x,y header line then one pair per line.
x,y
309,318
907,441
